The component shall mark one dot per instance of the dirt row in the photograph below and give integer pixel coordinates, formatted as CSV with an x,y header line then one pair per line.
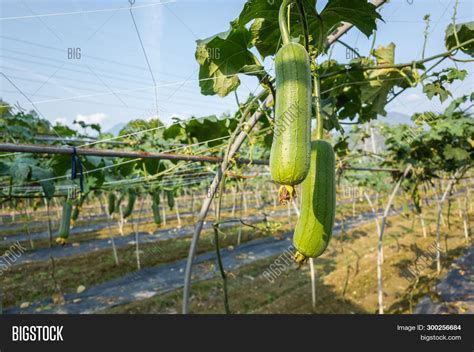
x,y
455,292
165,278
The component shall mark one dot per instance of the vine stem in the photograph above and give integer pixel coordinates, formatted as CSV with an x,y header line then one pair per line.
x,y
285,35
425,34
380,239
233,149
221,193
422,77
313,283
221,267
305,24
219,202
440,202
373,43
407,64
374,211
319,115
349,47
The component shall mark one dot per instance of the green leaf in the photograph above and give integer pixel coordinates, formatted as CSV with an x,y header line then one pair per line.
x,y
64,131
151,165
265,30
440,81
209,128
20,171
341,148
380,82
39,174
454,74
94,161
360,13
258,9
125,169
221,58
454,105
4,169
174,131
254,70
265,36
90,183
464,32
385,55
61,163
435,89
455,153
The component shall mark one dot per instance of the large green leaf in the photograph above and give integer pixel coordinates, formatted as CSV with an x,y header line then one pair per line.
x,y
266,32
174,131
464,32
61,163
265,36
381,81
44,177
360,13
221,58
210,129
20,170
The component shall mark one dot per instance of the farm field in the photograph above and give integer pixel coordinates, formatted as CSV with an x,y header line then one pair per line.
x,y
86,267
291,292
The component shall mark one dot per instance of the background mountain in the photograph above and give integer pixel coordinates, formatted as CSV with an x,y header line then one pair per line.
x,y
116,128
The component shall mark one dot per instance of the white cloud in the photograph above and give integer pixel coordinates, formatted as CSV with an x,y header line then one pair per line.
x,y
92,118
413,97
61,120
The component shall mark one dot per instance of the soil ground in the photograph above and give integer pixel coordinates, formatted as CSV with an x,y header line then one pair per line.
x,y
346,277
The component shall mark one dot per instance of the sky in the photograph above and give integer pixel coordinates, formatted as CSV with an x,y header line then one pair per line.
x,y
83,60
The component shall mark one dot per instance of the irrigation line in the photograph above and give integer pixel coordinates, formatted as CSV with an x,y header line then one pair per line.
x,y
49,138
38,149
371,169
44,149
211,192
111,153
245,161
380,238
